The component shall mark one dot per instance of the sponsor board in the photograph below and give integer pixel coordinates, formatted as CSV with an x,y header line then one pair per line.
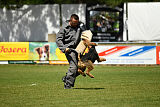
x,y
3,62
41,62
45,51
21,62
27,52
14,50
58,62
158,54
127,54
37,51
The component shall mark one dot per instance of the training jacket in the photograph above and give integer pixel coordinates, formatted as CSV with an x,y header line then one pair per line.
x,y
69,37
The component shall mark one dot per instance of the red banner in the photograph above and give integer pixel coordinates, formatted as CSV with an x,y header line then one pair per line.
x,y
158,54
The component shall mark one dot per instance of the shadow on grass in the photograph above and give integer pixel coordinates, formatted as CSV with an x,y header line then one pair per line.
x,y
89,88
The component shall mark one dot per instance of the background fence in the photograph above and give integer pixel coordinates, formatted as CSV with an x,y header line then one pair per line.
x,y
35,22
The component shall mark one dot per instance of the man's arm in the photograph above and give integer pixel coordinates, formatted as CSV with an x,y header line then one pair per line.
x,y
81,28
59,40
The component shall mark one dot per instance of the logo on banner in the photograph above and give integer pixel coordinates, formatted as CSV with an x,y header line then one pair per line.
x,y
112,50
139,51
158,54
129,54
4,50
14,50
44,52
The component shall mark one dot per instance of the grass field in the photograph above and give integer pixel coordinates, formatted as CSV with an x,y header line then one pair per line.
x,y
41,86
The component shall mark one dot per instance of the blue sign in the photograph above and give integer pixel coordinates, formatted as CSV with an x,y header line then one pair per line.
x,y
138,51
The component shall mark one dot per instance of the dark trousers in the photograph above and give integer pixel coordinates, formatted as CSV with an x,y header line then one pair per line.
x,y
72,73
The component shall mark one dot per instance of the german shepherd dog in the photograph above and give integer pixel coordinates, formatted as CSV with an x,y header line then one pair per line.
x,y
87,60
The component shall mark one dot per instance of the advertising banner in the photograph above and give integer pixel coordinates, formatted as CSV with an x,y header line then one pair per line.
x,y
45,51
14,50
36,51
158,54
21,62
127,54
58,62
3,62
48,52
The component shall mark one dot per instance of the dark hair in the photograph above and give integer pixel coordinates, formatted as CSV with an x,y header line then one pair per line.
x,y
74,16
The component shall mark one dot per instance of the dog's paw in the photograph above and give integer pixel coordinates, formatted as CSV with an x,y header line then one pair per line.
x,y
84,74
94,44
90,75
101,59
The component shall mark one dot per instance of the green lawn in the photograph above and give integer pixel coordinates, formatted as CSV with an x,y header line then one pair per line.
x,y
41,86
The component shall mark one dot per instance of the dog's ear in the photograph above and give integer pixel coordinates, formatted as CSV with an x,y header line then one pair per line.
x,y
47,47
37,50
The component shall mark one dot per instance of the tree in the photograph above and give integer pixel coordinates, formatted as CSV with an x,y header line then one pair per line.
x,y
19,3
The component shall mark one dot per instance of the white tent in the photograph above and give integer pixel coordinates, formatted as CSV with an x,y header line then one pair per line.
x,y
143,21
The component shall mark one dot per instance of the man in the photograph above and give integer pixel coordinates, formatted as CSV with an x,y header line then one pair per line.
x,y
67,40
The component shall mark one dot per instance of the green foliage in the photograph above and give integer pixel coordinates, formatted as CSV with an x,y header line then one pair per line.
x,y
41,86
19,3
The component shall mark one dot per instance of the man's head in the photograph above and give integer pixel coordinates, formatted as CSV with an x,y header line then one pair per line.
x,y
74,20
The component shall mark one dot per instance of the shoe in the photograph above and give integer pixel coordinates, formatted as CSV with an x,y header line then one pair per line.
x,y
64,79
67,86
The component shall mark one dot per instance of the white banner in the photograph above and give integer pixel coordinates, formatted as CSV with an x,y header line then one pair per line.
x,y
127,54
144,21
3,62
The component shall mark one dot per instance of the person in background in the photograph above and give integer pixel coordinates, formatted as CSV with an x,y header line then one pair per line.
x,y
67,40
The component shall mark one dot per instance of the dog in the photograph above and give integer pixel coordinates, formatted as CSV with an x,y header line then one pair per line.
x,y
87,60
86,37
43,52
